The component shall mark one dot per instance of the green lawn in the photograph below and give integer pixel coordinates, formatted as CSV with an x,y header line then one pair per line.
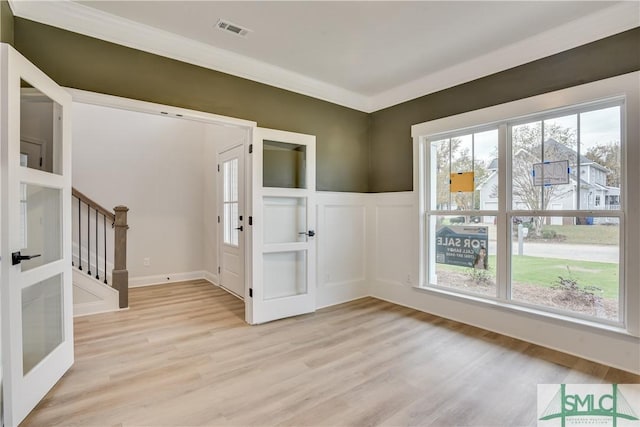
x,y
587,234
545,272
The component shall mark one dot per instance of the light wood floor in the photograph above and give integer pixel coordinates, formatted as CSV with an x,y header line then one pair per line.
x,y
182,355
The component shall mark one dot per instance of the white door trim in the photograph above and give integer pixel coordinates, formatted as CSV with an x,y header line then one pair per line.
x,y
104,100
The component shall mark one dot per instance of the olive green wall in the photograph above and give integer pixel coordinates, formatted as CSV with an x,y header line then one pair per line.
x,y
6,23
390,133
83,62
283,168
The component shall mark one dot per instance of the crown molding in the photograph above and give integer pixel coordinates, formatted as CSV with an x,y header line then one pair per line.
x,y
91,22
606,22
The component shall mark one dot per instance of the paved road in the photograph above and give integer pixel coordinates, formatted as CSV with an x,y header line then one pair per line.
x,y
599,253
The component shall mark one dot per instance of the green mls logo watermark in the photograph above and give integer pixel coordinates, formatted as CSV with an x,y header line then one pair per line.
x,y
575,405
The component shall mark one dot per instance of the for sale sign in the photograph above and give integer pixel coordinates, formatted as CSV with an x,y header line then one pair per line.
x,y
465,246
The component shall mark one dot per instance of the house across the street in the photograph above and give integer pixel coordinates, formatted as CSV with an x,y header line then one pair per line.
x,y
593,191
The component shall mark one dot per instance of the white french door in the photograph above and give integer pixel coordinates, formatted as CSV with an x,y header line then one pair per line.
x,y
283,226
35,288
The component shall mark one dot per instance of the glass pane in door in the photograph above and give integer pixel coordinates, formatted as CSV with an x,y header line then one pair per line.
x,y
40,225
40,130
231,218
42,321
284,165
285,219
285,274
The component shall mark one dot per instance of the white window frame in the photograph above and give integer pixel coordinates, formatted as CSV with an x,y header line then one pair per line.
x,y
622,90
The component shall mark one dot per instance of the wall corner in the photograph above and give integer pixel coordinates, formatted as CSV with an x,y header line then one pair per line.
x,y
6,23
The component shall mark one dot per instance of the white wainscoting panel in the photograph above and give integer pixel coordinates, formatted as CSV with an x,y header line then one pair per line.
x,y
342,243
394,255
344,239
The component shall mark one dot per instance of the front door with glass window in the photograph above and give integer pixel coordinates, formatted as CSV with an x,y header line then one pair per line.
x,y
232,219
283,226
36,310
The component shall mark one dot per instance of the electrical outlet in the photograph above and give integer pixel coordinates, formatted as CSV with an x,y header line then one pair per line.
x,y
146,262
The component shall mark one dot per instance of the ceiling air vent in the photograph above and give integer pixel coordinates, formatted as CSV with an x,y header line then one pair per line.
x,y
232,28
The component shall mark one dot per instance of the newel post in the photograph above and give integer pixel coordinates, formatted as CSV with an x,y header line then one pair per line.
x,y
120,275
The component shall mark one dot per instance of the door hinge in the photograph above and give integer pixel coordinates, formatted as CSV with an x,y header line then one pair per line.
x,y
250,148
218,270
218,168
250,292
40,161
250,220
218,219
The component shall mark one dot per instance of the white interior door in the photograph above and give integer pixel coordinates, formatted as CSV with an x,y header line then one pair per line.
x,y
232,219
37,328
284,218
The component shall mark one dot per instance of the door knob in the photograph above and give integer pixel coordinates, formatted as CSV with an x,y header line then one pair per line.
x,y
17,257
309,233
239,228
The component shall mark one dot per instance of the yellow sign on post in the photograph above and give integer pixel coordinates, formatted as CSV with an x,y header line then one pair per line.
x,y
461,182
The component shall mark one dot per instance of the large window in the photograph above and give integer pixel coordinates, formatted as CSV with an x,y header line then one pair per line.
x,y
529,210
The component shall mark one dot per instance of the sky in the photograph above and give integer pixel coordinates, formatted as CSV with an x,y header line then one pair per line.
x,y
600,126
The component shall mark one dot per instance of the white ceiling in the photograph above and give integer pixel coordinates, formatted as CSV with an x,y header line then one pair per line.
x,y
365,47
366,55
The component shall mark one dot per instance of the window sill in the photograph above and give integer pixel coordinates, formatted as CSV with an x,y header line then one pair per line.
x,y
538,314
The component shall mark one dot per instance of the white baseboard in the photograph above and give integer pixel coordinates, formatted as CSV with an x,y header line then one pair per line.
x,y
211,278
161,279
339,293
231,292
